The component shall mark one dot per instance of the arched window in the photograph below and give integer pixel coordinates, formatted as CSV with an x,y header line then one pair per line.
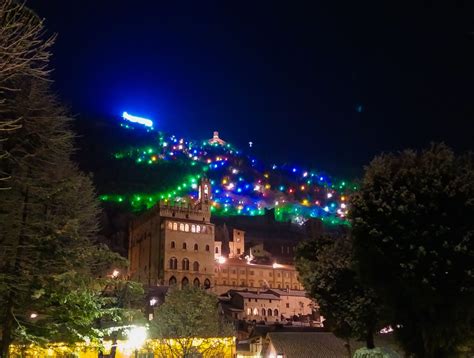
x,y
170,225
193,228
275,312
173,244
184,282
207,248
196,282
196,247
181,227
198,228
185,264
195,266
217,249
184,246
173,263
249,311
269,311
207,283
186,227
255,311
264,311
172,281
175,226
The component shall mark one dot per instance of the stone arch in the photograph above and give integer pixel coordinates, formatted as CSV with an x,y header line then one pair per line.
x,y
184,282
172,281
196,282
195,266
207,283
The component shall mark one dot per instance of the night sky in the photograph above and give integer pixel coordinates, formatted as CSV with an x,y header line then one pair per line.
x,y
327,86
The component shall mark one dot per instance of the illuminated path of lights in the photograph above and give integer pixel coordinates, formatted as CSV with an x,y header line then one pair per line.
x,y
241,185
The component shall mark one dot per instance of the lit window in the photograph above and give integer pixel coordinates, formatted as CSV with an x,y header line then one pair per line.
x,y
193,228
170,225
249,311
255,311
186,228
175,226
198,228
181,227
185,264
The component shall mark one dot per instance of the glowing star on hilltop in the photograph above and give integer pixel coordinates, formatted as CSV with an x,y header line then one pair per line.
x,y
140,120
215,139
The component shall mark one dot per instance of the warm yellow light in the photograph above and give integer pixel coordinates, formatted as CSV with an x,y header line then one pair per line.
x,y
115,273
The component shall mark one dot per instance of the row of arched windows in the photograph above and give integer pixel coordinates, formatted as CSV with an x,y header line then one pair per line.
x,y
185,246
185,282
187,227
184,264
265,312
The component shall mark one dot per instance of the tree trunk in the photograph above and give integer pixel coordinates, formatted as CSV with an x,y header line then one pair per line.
x,y
6,331
7,326
369,338
348,347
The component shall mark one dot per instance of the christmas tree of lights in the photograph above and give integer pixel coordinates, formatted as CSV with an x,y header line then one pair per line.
x,y
241,184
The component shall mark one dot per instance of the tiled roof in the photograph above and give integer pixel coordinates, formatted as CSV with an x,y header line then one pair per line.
x,y
289,292
266,296
308,345
320,344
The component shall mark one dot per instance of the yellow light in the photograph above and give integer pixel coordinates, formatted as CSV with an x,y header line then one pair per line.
x,y
267,186
302,187
266,175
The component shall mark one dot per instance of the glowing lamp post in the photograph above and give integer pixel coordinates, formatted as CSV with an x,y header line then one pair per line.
x,y
136,337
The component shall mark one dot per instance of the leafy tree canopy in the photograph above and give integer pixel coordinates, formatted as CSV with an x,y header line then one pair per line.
x,y
413,233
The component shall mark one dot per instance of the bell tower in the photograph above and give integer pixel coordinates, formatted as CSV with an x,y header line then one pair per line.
x,y
204,192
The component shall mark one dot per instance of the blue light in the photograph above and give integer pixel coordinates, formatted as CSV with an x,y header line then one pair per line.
x,y
135,119
294,170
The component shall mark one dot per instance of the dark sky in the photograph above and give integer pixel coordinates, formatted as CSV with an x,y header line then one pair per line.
x,y
328,85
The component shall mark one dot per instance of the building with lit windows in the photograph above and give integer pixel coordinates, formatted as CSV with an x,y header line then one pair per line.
x,y
173,244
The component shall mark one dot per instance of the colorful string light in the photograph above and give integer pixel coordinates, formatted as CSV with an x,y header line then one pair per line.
x,y
241,185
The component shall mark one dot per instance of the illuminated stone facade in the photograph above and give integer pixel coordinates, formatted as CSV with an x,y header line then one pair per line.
x,y
174,244
238,274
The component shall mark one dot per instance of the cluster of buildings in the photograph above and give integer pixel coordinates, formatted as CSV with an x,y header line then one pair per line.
x,y
178,245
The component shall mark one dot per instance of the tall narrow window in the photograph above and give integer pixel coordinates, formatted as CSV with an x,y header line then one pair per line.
x,y
198,228
207,248
207,283
173,263
173,244
193,228
185,264
181,227
196,282
195,266
184,246
196,247
186,227
175,226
